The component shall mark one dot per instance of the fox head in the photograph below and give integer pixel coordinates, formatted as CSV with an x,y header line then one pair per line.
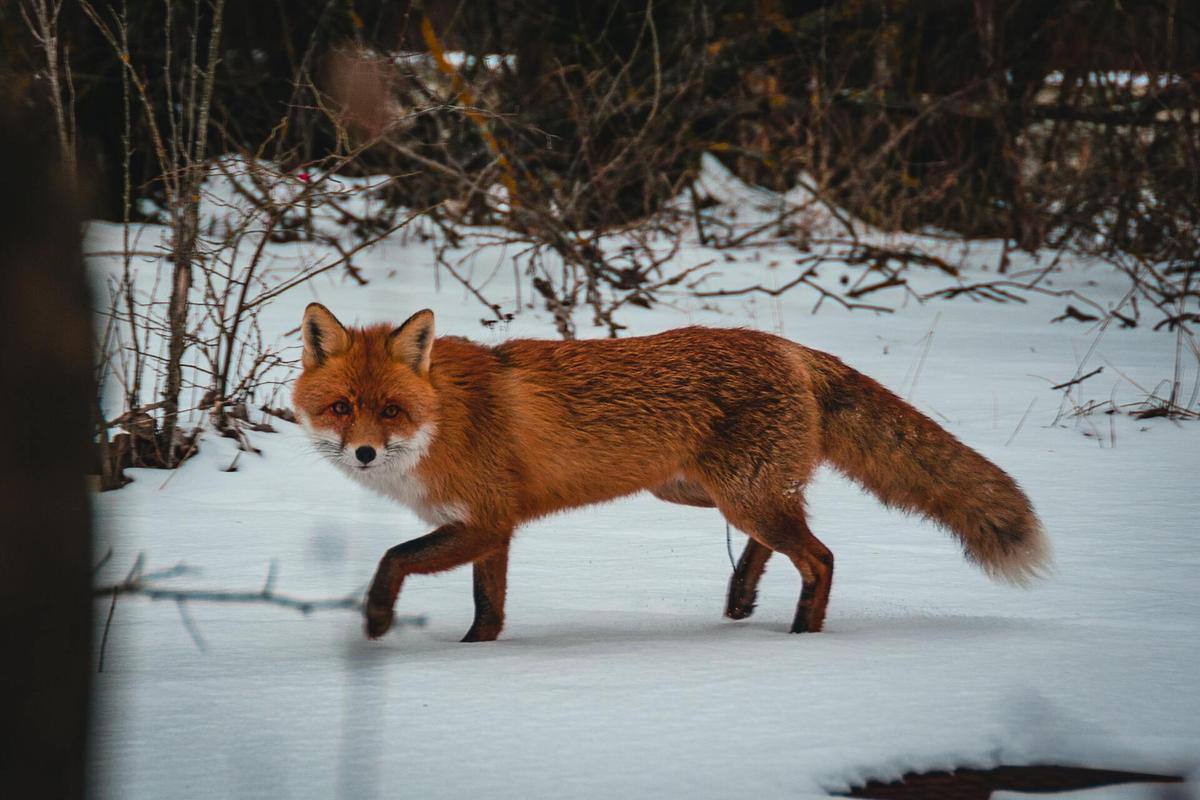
x,y
364,395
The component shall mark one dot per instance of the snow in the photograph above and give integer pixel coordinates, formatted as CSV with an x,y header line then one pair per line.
x,y
1135,791
616,674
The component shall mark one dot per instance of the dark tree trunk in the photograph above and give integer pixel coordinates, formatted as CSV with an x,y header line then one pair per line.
x,y
45,402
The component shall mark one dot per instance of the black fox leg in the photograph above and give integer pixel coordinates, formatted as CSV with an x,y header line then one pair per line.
x,y
491,579
448,547
815,563
743,586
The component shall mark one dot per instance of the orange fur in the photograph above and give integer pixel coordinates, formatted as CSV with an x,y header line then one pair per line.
x,y
481,439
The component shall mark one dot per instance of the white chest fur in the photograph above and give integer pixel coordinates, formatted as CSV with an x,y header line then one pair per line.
x,y
408,490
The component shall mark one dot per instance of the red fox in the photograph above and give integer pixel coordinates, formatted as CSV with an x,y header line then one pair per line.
x,y
477,440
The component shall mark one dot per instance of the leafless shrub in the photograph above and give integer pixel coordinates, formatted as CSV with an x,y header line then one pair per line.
x,y
1170,397
573,140
42,19
232,364
194,343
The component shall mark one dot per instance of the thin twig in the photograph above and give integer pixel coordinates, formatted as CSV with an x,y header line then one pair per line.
x,y
142,584
1080,379
921,361
189,624
1022,422
104,559
112,607
729,547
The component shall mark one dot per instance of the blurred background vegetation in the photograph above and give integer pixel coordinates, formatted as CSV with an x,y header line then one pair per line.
x,y
1052,126
1034,120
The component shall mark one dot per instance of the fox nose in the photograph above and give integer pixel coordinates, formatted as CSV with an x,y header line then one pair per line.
x,y
365,454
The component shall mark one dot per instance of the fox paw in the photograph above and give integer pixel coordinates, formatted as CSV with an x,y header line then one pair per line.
x,y
377,619
482,633
740,608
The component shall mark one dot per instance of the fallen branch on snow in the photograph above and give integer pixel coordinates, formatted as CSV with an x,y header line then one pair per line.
x,y
141,583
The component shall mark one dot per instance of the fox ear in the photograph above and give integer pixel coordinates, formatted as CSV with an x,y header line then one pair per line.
x,y
323,335
412,342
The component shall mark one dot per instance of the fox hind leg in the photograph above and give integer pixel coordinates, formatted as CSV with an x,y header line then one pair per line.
x,y
815,563
744,582
743,585
776,524
813,560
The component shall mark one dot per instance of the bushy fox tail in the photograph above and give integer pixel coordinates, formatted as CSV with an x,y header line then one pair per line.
x,y
911,462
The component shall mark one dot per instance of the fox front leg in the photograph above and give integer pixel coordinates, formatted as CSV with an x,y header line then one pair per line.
x,y
447,547
491,579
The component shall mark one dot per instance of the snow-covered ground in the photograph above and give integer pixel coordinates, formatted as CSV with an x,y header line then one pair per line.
x,y
616,674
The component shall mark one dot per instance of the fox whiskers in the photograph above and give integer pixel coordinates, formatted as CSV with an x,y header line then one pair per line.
x,y
326,448
397,449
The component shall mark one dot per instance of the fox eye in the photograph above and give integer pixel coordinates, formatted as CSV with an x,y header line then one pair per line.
x,y
391,411
341,408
